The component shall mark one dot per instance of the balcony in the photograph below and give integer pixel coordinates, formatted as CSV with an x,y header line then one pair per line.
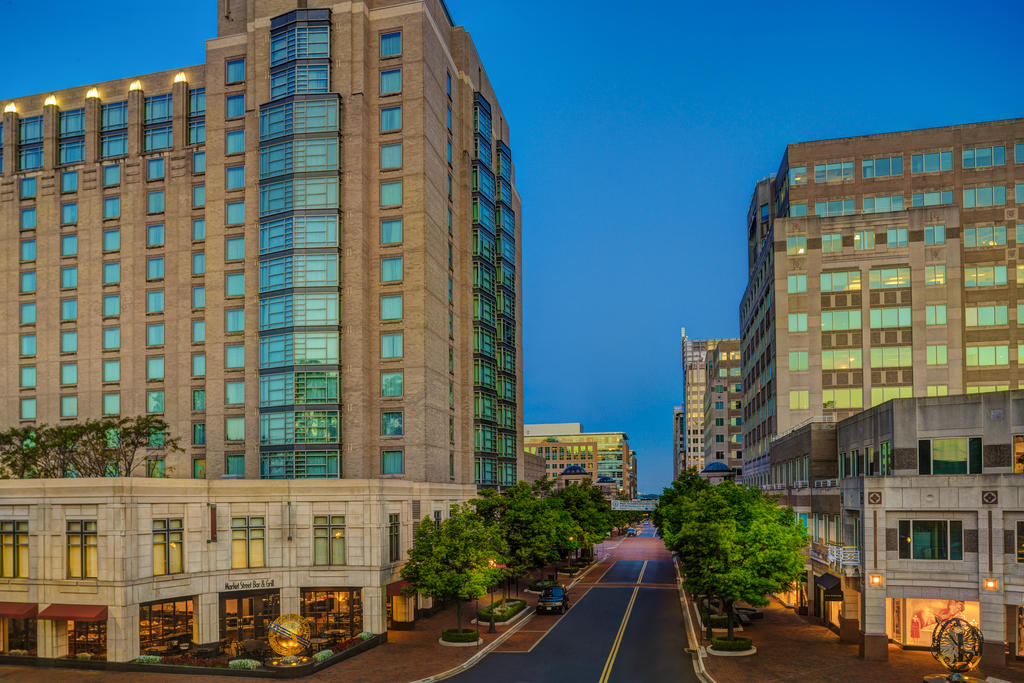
x,y
844,558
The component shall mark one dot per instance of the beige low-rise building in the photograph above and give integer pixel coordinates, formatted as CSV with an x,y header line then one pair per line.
x,y
118,567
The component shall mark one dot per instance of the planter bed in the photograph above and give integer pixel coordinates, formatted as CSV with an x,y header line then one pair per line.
x,y
179,669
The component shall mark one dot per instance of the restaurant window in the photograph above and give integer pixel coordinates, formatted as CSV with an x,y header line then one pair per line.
x,y
167,546
82,549
247,537
335,613
21,635
247,616
328,540
931,540
88,637
14,549
394,536
166,627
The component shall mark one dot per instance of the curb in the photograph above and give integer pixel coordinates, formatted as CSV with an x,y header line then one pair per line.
x,y
697,652
475,659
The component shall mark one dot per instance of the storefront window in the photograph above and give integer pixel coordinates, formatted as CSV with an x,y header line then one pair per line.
x,y
1020,632
21,635
246,616
166,627
923,615
333,613
1018,454
87,636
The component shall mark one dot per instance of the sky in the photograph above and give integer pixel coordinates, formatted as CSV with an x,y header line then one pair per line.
x,y
638,130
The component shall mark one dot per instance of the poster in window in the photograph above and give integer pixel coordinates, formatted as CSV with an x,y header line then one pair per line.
x,y
1020,631
924,615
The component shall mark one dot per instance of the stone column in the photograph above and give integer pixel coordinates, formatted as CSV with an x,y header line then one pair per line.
x,y
375,619
93,124
207,619
849,616
991,598
875,645
51,118
51,638
122,633
290,600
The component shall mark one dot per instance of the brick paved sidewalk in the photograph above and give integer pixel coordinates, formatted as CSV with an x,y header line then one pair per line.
x,y
791,647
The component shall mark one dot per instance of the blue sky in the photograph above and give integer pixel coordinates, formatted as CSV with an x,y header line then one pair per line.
x,y
638,130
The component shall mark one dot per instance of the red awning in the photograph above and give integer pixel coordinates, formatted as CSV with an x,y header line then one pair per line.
x,y
18,610
74,612
396,588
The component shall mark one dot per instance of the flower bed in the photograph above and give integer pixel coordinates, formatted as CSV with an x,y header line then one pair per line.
x,y
503,610
466,635
737,644
541,585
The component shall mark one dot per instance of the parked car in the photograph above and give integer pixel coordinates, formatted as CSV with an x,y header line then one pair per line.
x,y
554,599
631,531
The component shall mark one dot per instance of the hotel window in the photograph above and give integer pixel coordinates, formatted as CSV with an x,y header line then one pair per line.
x,y
155,368
929,163
248,535
68,373
988,236
198,364
234,393
69,277
234,141
111,242
897,237
391,307
198,297
234,177
28,409
234,429
394,537
155,169
797,360
234,71
391,384
391,269
329,540
234,320
168,542
301,78
938,390
28,376
994,195
82,549
69,181
835,171
28,188
28,250
931,540
390,81
155,268
28,219
836,207
234,357
984,276
882,167
391,423
199,399
112,404
984,157
391,194
111,371
390,345
842,399
27,283
198,196
984,316
154,401
68,342
234,284
390,119
234,106
155,235
199,263
198,229
69,213
155,301
111,338
234,213
863,240
14,549
155,202
391,44
935,234
936,315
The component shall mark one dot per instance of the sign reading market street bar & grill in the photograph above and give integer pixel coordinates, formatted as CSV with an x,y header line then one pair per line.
x,y
248,584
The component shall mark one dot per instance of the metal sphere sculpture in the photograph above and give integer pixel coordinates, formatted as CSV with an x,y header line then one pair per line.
x,y
289,635
956,644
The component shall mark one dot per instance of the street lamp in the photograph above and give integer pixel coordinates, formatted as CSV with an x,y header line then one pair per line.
x,y
491,628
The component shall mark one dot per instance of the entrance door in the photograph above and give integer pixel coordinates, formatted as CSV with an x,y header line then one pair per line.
x,y
247,616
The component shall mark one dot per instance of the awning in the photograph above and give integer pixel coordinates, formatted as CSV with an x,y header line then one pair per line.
x,y
396,588
830,584
18,610
59,612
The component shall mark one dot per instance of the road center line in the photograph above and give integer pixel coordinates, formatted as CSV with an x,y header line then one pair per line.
x,y
607,672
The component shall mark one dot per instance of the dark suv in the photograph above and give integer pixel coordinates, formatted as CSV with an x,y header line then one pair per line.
x,y
554,599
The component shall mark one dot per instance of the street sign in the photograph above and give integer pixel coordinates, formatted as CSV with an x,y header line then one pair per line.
x,y
638,505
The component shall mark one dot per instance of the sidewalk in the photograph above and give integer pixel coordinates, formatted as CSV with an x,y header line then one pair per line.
x,y
791,647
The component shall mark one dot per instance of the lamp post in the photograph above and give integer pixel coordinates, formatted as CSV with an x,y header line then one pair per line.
x,y
491,628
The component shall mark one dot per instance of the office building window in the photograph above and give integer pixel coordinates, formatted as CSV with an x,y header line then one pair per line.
x,y
984,157
234,106
390,81
929,163
390,119
234,71
248,535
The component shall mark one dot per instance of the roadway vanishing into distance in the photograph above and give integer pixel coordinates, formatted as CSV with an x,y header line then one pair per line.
x,y
627,627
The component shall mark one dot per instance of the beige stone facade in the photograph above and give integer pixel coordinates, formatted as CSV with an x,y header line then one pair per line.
x,y
372,518
696,353
89,234
882,266
601,454
723,406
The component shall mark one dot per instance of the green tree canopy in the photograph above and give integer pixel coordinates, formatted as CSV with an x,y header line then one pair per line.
x,y
455,560
587,507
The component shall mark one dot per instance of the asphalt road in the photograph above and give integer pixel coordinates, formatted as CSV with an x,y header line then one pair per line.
x,y
626,629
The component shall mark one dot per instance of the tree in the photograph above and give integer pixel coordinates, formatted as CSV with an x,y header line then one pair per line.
x,y
589,510
129,435
453,561
732,541
19,452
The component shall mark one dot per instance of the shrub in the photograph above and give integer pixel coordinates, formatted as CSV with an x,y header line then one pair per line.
x,y
18,653
466,635
323,656
503,610
365,635
84,656
737,644
193,660
149,659
541,585
249,664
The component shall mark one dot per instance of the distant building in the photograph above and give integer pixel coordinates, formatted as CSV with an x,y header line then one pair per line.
x,y
533,467
600,453
678,440
695,358
608,487
717,472
573,475
723,406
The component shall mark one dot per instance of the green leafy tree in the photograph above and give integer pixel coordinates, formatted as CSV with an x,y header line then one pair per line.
x,y
590,512
732,541
19,452
454,561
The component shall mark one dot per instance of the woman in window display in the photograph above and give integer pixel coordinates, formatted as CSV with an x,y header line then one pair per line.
x,y
927,617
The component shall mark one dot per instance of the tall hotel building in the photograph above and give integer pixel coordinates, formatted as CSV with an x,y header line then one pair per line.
x,y
303,254
882,266
723,407
695,372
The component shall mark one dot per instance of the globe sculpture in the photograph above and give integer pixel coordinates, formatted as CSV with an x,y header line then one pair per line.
x,y
956,644
289,635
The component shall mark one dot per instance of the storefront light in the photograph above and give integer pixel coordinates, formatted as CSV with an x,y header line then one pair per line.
x,y
991,584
